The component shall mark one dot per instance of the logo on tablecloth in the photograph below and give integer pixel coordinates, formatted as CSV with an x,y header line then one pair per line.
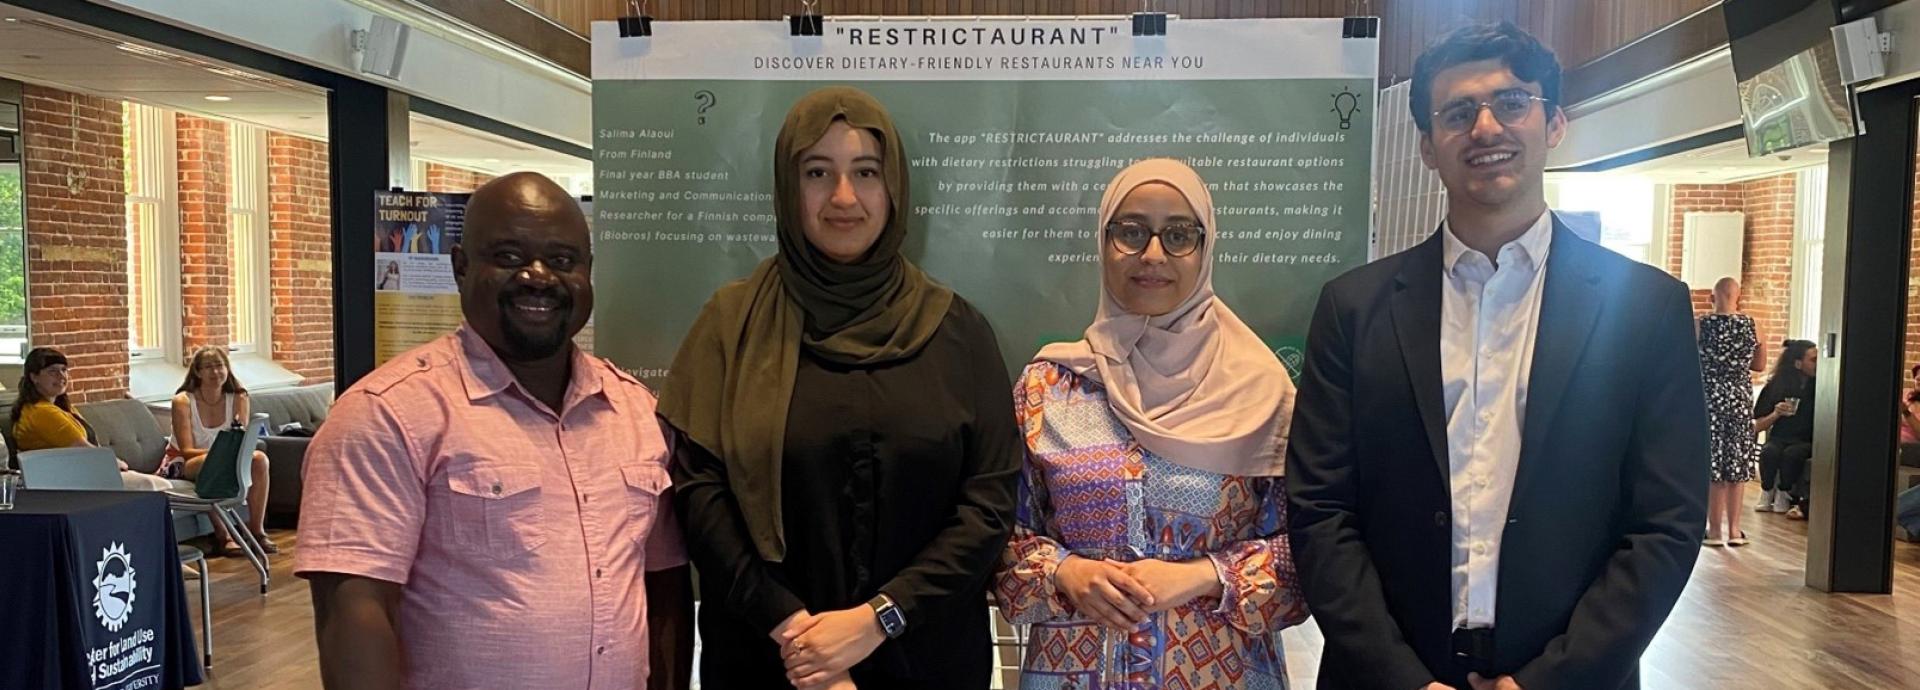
x,y
113,586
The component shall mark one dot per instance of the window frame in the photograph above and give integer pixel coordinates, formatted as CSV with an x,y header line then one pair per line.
x,y
1809,253
152,166
249,249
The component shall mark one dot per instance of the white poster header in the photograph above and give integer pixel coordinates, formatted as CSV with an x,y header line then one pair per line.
x,y
942,49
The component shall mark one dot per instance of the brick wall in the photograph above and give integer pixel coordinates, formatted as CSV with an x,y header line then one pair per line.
x,y
1690,198
1766,276
205,287
80,296
447,179
302,250
1767,285
77,236
1913,285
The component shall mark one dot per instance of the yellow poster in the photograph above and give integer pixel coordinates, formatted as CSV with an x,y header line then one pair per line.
x,y
405,320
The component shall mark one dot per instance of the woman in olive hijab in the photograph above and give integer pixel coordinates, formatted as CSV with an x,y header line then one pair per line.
x,y
847,453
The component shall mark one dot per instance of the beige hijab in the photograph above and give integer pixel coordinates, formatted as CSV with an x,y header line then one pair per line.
x,y
1196,385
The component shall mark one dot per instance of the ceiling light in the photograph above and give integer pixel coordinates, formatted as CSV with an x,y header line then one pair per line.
x,y
11,20
219,99
492,160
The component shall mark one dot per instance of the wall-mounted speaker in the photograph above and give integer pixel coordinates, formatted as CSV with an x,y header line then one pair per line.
x,y
382,46
1862,49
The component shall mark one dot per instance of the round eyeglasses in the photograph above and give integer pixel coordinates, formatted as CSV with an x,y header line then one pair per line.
x,y
1509,107
1177,239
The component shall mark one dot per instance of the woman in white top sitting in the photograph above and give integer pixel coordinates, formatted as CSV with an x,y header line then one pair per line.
x,y
210,400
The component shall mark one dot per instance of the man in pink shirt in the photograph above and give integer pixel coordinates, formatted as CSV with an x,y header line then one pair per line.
x,y
490,510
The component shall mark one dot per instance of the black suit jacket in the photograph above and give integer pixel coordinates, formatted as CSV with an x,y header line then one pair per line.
x,y
1608,503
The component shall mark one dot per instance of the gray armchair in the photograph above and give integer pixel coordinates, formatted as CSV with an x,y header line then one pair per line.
x,y
286,455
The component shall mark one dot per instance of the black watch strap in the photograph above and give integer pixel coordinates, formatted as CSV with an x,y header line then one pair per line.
x,y
893,622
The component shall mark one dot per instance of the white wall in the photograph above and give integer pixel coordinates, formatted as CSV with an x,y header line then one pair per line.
x,y
486,82
1685,101
1903,21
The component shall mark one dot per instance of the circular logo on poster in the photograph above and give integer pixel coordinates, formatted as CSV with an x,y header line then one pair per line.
x,y
113,586
1292,358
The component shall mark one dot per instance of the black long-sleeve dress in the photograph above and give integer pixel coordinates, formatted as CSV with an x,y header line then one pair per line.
x,y
896,478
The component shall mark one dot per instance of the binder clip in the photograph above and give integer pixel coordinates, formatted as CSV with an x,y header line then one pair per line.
x,y
807,23
636,24
1360,27
1149,23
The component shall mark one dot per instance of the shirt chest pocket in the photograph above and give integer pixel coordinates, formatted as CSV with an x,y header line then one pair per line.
x,y
646,481
497,509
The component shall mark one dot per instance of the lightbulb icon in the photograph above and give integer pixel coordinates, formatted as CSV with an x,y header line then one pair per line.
x,y
1345,104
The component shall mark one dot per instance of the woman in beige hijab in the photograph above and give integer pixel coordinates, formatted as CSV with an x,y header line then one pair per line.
x,y
846,451
1151,520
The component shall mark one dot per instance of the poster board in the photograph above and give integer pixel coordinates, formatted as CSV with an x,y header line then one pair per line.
x,y
1013,127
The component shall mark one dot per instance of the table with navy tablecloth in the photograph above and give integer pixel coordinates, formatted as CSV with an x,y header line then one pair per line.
x,y
94,592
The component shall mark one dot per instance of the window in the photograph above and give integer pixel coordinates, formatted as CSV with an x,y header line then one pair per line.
x,y
1809,239
247,241
1624,207
153,236
13,263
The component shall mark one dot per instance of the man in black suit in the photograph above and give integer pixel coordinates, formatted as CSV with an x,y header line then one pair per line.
x,y
1498,466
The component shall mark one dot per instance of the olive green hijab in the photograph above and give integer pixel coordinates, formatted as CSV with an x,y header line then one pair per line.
x,y
732,380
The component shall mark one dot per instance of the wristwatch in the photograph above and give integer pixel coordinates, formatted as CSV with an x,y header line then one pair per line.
x,y
892,621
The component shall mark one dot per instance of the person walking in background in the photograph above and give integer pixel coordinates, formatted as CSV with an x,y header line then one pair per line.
x,y
1729,353
1784,411
1172,399
846,451
1497,471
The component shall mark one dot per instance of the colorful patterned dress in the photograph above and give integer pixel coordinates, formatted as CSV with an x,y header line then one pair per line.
x,y
1090,490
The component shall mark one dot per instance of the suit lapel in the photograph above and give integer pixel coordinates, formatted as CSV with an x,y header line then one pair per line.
x,y
1569,308
1416,320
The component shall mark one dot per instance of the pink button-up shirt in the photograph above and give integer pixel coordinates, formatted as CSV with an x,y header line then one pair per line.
x,y
521,536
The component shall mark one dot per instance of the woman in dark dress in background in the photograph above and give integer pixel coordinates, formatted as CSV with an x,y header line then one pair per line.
x,y
847,453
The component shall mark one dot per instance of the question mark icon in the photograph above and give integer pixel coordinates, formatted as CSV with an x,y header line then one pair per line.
x,y
706,99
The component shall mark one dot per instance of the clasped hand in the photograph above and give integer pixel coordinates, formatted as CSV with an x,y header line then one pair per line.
x,y
820,649
1121,595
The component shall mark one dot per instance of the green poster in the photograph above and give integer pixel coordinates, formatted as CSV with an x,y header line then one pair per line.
x,y
1011,144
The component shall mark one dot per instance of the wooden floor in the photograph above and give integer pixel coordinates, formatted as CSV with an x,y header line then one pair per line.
x,y
1746,621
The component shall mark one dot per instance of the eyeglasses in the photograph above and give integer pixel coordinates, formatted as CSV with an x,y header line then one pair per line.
x,y
1509,107
1176,239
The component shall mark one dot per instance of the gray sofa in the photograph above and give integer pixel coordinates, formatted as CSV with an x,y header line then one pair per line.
x,y
137,438
140,440
137,432
286,455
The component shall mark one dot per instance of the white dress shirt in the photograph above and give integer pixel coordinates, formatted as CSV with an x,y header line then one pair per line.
x,y
1489,318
